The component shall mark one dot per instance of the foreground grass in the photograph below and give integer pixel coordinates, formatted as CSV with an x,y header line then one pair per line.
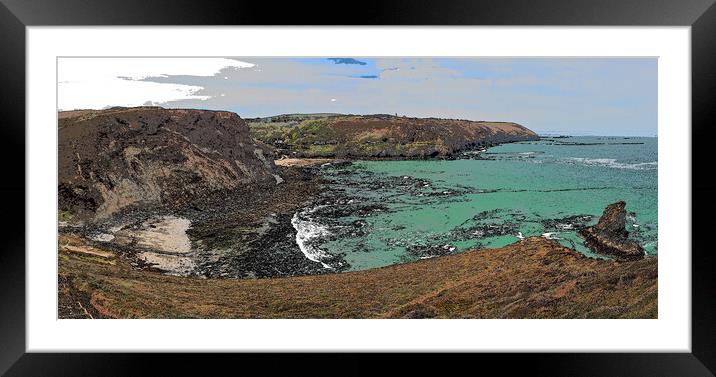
x,y
534,278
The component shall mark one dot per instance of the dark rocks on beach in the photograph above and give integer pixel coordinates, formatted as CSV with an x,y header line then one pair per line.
x,y
576,222
271,254
610,236
479,231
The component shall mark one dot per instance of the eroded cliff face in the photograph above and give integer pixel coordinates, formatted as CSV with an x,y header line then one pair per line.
x,y
120,158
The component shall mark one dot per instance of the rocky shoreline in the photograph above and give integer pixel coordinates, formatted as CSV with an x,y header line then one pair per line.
x,y
191,193
237,234
255,232
277,230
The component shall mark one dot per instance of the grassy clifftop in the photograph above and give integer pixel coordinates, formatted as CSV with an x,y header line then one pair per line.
x,y
380,136
533,278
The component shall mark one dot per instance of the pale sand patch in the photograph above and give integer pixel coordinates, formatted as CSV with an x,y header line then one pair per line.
x,y
161,242
302,162
166,234
172,264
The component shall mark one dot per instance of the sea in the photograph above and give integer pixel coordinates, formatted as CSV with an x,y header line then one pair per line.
x,y
379,213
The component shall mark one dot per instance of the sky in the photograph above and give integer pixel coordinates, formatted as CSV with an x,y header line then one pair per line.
x,y
572,96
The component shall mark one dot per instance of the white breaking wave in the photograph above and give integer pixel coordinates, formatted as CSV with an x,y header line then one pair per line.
x,y
551,236
307,232
612,163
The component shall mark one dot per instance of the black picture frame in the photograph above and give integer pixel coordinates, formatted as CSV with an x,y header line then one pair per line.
x,y
16,15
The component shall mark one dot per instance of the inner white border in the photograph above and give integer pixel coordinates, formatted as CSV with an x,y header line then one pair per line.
x,y
670,332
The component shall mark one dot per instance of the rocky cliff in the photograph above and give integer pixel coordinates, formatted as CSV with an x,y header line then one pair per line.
x,y
382,136
120,158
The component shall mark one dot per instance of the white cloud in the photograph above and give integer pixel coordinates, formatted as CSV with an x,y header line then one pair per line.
x,y
95,83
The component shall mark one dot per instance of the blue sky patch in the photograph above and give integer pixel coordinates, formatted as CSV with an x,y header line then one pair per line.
x,y
346,61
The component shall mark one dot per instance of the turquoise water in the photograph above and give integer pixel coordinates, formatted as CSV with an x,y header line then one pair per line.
x,y
389,212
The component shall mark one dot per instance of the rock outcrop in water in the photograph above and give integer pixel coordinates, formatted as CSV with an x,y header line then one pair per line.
x,y
120,158
610,236
381,136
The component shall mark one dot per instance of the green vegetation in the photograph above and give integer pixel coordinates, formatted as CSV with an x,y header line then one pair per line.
x,y
64,215
270,133
313,131
321,150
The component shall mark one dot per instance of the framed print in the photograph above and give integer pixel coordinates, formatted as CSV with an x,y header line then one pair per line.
x,y
393,180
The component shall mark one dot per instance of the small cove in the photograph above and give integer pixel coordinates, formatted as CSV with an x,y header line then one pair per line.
x,y
372,214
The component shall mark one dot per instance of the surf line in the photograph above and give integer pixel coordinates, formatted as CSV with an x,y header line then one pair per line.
x,y
307,232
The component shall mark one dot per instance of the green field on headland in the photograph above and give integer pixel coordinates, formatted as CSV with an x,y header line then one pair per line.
x,y
380,136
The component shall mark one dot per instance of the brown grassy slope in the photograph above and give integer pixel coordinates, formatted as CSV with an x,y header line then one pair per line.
x,y
534,278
